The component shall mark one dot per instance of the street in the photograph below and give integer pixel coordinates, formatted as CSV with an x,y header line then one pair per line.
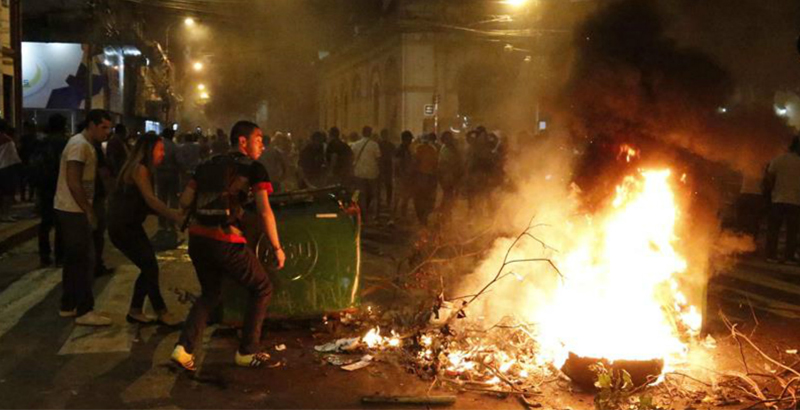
x,y
50,363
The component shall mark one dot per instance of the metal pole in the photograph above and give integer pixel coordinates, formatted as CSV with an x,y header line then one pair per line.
x,y
16,44
87,61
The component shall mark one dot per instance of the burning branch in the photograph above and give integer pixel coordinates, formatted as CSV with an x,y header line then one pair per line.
x,y
499,276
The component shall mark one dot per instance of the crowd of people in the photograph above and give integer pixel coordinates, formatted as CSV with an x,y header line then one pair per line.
x,y
107,180
389,176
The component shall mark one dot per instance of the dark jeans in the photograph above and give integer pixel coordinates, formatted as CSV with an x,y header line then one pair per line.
x,y
132,241
425,197
449,196
778,214
214,260
386,185
167,190
48,222
368,193
78,273
99,234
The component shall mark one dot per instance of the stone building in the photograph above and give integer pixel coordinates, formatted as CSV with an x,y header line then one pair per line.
x,y
434,65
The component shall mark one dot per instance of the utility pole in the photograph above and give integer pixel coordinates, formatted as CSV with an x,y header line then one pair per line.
x,y
16,44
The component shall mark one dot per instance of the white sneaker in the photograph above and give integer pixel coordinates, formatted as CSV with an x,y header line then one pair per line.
x,y
92,318
182,358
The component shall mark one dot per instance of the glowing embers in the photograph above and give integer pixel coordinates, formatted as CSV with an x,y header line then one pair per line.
x,y
628,152
620,299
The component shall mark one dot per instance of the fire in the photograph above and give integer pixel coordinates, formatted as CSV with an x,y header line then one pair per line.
x,y
628,152
621,297
374,340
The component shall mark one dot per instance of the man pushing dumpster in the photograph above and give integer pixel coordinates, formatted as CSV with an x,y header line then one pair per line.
x,y
216,196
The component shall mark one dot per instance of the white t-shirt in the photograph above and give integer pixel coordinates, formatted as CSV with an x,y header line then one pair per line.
x,y
367,165
80,150
786,171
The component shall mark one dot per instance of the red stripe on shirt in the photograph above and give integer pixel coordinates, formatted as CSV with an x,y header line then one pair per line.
x,y
263,186
216,234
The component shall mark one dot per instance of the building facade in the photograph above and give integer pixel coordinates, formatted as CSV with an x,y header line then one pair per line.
x,y
427,68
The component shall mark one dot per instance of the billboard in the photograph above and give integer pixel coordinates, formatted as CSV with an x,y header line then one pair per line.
x,y
54,76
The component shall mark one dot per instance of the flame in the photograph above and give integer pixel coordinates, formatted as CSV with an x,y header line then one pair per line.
x,y
621,297
628,152
374,340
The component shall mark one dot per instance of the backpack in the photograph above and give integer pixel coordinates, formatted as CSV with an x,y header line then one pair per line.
x,y
222,186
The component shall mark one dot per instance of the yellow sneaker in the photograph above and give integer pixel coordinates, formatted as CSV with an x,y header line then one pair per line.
x,y
182,358
251,360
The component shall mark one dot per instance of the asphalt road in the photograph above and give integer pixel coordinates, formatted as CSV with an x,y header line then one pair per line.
x,y
47,362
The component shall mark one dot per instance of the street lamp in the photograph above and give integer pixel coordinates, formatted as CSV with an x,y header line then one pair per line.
x,y
204,96
197,66
515,3
188,22
201,87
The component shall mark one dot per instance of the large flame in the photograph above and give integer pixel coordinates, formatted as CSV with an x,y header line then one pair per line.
x,y
620,298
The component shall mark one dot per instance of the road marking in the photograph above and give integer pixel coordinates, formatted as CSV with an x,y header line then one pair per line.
x,y
776,307
158,382
767,281
115,301
24,294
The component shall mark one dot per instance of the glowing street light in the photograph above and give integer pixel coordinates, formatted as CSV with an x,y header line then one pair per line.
x,y
197,66
204,96
515,3
201,87
188,21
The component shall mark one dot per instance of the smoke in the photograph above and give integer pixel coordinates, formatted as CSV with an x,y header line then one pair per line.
x,y
630,83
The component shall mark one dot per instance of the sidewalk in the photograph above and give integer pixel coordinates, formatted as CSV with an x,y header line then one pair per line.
x,y
25,229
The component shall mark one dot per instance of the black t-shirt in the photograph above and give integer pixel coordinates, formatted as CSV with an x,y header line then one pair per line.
x,y
255,172
211,183
344,157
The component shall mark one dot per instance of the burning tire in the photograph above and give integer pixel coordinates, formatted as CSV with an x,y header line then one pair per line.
x,y
642,371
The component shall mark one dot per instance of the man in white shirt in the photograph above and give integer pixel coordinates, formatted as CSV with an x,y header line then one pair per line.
x,y
366,169
73,205
783,175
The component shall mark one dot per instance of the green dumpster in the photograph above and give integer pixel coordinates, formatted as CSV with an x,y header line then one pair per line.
x,y
320,233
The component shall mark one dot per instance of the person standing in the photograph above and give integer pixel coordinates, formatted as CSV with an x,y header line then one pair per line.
x,y
427,160
44,165
340,159
275,162
783,176
450,169
168,178
218,247
188,156
27,145
131,202
366,170
117,150
103,185
312,162
73,204
386,177
404,173
9,162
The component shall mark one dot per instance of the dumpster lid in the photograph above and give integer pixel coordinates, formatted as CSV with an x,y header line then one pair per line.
x,y
334,193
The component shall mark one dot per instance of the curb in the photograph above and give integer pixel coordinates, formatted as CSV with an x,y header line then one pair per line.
x,y
18,238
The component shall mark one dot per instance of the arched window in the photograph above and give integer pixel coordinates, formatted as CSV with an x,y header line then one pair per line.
x,y
376,104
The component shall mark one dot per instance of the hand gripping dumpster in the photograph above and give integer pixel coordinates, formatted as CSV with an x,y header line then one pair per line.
x,y
320,232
